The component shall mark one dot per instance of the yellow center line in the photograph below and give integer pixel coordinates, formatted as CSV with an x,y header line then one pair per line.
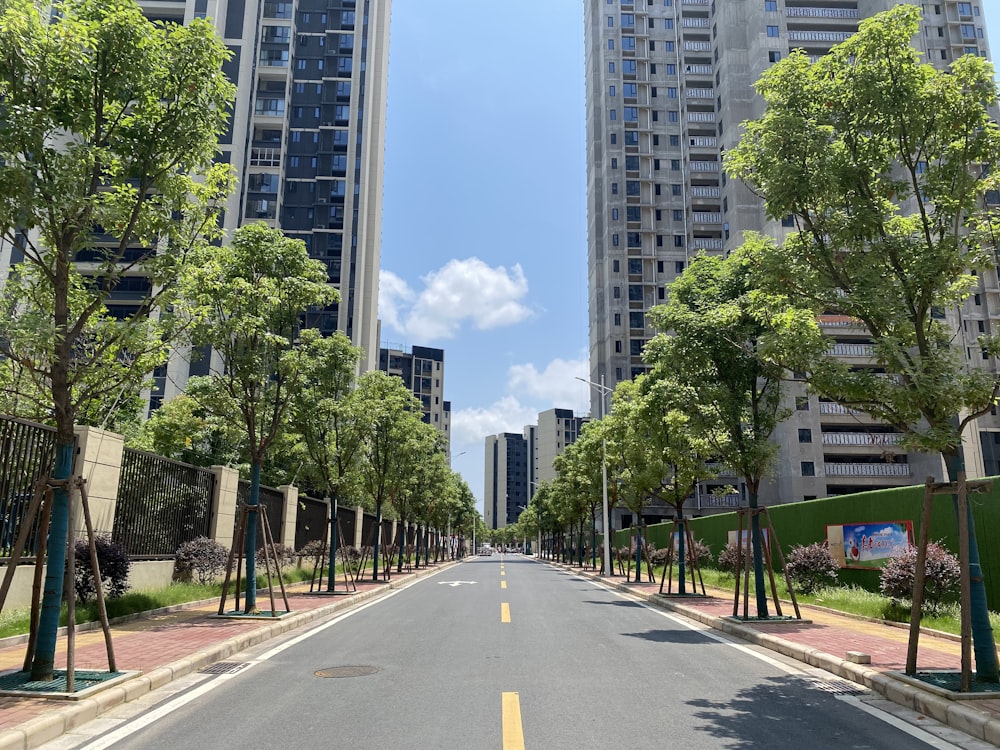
x,y
503,584
504,612
513,734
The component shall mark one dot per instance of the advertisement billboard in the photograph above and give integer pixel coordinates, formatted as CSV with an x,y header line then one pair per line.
x,y
868,545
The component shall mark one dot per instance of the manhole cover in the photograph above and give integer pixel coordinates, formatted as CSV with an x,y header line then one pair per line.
x,y
346,671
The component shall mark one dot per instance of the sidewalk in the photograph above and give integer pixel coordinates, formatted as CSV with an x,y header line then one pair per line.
x,y
163,646
825,641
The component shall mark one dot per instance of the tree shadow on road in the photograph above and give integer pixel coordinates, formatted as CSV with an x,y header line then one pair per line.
x,y
782,712
687,637
612,603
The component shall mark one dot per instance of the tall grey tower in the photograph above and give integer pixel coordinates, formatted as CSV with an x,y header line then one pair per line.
x,y
306,141
668,84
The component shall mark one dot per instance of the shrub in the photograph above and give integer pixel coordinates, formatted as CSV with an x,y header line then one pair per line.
x,y
942,570
201,559
697,553
113,563
727,562
311,549
284,555
812,567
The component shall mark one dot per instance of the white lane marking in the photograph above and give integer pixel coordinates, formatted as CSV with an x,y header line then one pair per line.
x,y
921,734
706,630
453,584
168,708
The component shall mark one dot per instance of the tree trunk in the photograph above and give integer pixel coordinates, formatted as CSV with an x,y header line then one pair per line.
x,y
982,632
681,551
43,664
250,539
378,533
757,547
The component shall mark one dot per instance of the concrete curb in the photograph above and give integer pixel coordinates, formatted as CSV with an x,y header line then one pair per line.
x,y
63,718
957,715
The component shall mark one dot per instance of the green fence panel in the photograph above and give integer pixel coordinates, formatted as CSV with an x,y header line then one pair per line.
x,y
805,522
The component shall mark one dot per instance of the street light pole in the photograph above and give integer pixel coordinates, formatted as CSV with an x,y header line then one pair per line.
x,y
603,390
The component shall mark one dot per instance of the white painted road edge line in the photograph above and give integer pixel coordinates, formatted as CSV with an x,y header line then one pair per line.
x,y
172,705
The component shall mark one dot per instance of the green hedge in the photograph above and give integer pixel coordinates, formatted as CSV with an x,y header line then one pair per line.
x,y
805,523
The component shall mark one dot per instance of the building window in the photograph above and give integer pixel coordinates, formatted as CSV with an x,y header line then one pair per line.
x,y
678,240
675,189
611,22
772,31
802,403
788,221
805,435
628,43
613,115
773,56
678,266
808,468
614,214
678,214
614,240
618,319
769,5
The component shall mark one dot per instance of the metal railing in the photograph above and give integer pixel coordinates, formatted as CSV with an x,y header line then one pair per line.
x,y
310,521
273,501
161,504
867,470
861,438
26,455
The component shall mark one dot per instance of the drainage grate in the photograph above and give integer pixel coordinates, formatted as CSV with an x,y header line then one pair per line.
x,y
225,667
346,671
837,687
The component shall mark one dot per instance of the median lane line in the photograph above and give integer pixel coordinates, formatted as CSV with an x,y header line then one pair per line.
x,y
504,612
503,584
513,734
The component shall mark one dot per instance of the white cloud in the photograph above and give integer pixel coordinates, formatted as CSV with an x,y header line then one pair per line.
x,y
471,426
460,290
393,294
555,385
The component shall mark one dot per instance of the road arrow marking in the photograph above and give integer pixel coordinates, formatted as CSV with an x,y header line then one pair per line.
x,y
453,584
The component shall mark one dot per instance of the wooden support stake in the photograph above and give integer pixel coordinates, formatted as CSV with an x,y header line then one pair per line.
x,y
920,576
966,605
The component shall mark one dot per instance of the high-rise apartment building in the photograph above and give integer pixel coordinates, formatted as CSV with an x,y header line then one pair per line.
x,y
557,429
306,141
506,486
668,84
422,370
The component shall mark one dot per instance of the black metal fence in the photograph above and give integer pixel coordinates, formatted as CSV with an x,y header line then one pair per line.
x,y
26,455
347,521
161,504
310,521
273,501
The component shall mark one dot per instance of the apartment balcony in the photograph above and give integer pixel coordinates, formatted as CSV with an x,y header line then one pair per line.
x,y
831,407
706,243
706,217
702,141
695,2
865,439
703,166
265,157
822,13
838,321
700,93
701,117
700,191
866,470
708,500
819,36
695,23
698,70
851,350
697,46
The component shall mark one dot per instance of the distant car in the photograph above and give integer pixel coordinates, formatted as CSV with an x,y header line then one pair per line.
x,y
486,551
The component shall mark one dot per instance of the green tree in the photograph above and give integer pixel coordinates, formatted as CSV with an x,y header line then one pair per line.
x,y
712,342
108,132
181,429
392,416
246,300
882,163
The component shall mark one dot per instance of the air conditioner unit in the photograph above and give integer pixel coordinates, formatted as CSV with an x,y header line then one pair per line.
x,y
321,200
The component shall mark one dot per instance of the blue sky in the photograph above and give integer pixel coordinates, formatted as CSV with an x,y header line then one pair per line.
x,y
484,231
484,235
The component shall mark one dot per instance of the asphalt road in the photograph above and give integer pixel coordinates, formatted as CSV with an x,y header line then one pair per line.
x,y
505,652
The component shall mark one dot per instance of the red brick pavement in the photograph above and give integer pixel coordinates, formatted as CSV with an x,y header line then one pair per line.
x,y
150,642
